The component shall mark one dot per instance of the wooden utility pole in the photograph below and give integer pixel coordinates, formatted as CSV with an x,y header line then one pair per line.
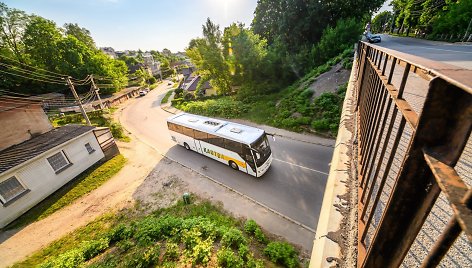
x,y
96,89
71,86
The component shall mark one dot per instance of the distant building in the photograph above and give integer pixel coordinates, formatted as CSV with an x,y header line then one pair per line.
x,y
37,159
109,51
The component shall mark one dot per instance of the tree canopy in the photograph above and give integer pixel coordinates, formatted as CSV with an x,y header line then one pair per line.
x,y
36,54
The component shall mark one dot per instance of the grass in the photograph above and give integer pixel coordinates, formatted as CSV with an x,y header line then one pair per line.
x,y
166,97
86,182
199,234
97,118
291,108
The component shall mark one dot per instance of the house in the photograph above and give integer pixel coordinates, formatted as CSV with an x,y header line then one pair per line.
x,y
192,83
109,51
37,159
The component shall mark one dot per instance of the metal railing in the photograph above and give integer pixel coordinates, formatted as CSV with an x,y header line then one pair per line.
x,y
423,146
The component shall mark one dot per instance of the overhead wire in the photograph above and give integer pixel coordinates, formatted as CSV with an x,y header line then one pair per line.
x,y
26,72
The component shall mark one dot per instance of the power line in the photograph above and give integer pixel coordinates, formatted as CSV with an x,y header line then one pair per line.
x,y
36,79
26,72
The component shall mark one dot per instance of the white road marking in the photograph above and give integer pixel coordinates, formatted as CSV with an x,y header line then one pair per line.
x,y
300,166
449,50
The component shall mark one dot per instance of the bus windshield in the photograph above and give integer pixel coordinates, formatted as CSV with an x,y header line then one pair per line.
x,y
262,150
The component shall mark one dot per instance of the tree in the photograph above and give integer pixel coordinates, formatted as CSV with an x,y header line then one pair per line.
x,y
40,38
208,57
381,21
13,23
82,34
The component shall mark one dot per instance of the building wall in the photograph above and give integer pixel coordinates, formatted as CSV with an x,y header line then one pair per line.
x,y
23,121
40,179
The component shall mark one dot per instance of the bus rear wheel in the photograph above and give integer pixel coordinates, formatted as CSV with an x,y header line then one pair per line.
x,y
186,146
233,165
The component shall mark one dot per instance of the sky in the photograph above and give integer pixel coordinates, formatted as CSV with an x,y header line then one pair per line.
x,y
141,24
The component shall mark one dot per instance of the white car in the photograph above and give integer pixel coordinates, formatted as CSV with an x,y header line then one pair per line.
x,y
142,93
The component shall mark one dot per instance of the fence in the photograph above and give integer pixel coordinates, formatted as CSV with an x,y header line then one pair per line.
x,y
410,150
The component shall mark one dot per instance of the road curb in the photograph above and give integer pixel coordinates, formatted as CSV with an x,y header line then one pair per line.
x,y
222,184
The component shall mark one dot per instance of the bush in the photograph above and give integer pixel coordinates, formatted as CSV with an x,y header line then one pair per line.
x,y
282,253
172,251
250,226
143,257
202,251
233,238
91,249
227,258
260,236
119,233
335,40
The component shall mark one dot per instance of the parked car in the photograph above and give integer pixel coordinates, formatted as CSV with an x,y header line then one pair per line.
x,y
142,92
373,38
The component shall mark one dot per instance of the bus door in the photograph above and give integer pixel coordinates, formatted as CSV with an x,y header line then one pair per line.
x,y
249,158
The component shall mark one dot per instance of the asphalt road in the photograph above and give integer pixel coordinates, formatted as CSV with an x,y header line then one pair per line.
x,y
294,185
452,53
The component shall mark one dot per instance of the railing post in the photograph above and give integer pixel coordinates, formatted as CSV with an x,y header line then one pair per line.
x,y
362,64
443,130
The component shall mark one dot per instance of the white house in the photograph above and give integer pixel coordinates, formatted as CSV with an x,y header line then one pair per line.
x,y
34,169
41,159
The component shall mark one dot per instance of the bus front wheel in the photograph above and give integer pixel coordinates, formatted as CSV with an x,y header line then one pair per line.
x,y
233,165
186,146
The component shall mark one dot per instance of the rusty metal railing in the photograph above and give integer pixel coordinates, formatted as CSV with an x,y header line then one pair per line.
x,y
423,146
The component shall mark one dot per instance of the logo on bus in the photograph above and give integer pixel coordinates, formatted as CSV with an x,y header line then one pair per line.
x,y
208,151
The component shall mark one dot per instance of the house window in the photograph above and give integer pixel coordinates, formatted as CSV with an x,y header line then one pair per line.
x,y
10,188
59,162
89,148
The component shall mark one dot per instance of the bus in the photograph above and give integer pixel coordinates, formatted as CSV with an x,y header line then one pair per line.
x,y
243,148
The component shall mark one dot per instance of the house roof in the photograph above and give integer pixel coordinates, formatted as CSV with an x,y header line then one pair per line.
x,y
20,153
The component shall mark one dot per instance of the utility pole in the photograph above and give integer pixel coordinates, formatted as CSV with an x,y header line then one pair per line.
x,y
78,100
96,89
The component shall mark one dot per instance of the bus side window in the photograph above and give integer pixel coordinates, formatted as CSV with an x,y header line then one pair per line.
x,y
188,131
233,146
200,135
177,128
215,140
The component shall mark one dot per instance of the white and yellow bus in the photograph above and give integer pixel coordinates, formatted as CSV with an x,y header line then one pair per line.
x,y
241,147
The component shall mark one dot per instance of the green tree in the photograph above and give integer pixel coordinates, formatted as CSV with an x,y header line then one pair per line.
x,y
209,59
381,22
82,34
13,23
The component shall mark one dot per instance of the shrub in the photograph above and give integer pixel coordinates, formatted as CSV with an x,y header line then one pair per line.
x,y
250,226
227,258
233,238
260,236
143,257
69,259
172,251
119,233
282,253
91,249
202,251
254,263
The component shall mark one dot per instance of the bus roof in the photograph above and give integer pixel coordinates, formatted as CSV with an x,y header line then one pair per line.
x,y
241,133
